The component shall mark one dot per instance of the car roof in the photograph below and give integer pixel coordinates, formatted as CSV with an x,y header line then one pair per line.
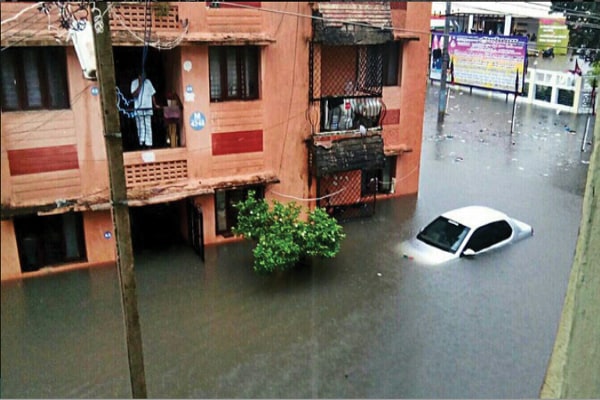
x,y
474,216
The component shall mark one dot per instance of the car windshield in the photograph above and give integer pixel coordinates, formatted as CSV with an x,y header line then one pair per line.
x,y
444,233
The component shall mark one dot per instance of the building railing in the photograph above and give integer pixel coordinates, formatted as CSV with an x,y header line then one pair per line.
x,y
562,91
350,115
137,17
166,129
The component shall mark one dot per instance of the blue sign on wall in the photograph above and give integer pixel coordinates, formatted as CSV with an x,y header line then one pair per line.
x,y
197,120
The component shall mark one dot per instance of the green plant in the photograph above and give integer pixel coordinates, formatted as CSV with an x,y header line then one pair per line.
x,y
161,9
281,237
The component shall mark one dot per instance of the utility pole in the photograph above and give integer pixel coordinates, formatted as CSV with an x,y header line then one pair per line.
x,y
118,196
443,91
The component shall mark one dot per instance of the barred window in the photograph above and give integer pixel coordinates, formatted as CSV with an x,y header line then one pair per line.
x,y
34,78
392,62
233,72
226,213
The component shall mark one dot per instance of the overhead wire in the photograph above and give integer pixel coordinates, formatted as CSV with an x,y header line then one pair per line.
x,y
324,19
23,11
25,25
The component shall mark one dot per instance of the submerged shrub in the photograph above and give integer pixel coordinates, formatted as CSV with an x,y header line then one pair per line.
x,y
281,237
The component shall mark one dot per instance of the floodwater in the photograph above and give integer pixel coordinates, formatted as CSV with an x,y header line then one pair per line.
x,y
366,324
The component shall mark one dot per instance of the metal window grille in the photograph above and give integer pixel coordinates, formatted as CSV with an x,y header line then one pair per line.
x,y
345,71
342,197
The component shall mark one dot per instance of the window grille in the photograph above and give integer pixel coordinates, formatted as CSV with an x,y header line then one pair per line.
x,y
34,78
234,72
161,172
345,71
340,195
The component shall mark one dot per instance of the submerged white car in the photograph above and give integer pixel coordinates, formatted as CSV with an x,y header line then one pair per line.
x,y
466,231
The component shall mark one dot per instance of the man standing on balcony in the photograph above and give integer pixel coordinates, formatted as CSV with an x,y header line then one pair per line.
x,y
143,95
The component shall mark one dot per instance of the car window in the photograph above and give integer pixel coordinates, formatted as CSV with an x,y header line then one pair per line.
x,y
489,235
444,233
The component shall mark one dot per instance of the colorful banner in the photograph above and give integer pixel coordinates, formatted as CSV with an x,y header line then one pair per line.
x,y
484,61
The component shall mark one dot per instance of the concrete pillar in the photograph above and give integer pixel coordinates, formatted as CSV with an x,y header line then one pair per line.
x,y
507,24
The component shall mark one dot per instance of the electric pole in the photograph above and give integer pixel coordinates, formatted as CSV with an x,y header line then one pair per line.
x,y
443,90
118,196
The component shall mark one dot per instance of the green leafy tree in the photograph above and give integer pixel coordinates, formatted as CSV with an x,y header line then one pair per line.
x,y
583,20
282,238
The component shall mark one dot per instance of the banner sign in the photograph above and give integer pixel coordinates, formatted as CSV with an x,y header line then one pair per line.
x,y
553,32
484,61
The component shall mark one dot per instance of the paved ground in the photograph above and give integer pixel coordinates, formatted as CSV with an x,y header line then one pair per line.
x,y
367,324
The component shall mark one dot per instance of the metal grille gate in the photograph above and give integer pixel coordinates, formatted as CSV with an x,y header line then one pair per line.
x,y
345,197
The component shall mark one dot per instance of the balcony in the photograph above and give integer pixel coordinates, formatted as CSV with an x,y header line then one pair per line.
x,y
166,127
130,20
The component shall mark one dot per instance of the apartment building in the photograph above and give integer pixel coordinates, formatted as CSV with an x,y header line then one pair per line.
x,y
315,102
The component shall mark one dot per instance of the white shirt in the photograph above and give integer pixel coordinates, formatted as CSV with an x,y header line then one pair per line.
x,y
144,97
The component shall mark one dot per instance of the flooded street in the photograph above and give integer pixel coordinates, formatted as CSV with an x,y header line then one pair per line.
x,y
366,324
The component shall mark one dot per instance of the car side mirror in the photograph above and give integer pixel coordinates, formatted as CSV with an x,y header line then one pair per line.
x,y
469,253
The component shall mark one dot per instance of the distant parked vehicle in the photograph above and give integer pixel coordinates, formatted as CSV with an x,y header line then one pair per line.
x,y
464,232
548,53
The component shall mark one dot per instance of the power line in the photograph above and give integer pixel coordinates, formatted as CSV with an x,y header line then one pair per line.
x,y
34,18
23,11
314,17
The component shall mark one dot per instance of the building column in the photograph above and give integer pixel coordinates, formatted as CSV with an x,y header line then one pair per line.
x,y
507,25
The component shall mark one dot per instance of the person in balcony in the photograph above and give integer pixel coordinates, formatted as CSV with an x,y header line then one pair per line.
x,y
144,101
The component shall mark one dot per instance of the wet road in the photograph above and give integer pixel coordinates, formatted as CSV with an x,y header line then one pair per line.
x,y
367,324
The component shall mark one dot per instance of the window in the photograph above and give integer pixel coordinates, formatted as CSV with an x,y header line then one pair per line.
x,y
226,213
444,233
379,179
368,69
489,235
49,240
379,65
34,78
392,60
234,73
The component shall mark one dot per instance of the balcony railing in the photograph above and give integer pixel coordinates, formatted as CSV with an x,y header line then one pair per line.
x,y
166,130
354,115
135,17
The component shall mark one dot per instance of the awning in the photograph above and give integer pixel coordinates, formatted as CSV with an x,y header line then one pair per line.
x,y
141,196
347,154
396,150
408,36
352,23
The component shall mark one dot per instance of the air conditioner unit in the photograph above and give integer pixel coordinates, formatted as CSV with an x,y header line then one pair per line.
x,y
83,41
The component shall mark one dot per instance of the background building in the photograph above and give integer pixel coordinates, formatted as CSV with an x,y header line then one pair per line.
x,y
279,97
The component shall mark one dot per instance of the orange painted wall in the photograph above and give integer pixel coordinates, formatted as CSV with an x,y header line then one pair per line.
x,y
10,255
30,130
99,249
285,86
409,97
